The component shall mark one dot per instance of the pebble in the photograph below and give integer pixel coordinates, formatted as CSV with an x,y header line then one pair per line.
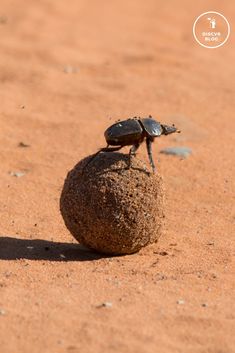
x,y
17,174
22,144
177,151
160,277
180,301
163,253
2,312
105,305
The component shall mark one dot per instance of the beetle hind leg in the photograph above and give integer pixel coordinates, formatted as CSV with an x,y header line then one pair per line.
x,y
150,155
109,149
104,149
132,153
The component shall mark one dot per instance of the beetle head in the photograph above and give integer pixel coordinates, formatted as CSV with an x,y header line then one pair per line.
x,y
166,129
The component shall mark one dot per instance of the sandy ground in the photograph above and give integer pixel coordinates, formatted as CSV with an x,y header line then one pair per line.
x,y
68,69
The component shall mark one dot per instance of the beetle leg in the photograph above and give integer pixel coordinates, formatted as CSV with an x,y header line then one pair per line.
x,y
149,149
109,149
132,152
105,149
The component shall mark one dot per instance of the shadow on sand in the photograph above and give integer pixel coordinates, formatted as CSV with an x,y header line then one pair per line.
x,y
37,249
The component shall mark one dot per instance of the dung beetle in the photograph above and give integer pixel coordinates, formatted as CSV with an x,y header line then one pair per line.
x,y
133,132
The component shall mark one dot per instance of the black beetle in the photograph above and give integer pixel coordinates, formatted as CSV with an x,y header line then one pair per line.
x,y
133,132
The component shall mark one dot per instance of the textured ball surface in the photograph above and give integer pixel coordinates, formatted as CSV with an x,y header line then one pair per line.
x,y
110,208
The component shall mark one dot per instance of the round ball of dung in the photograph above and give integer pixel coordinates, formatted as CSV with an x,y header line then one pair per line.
x,y
111,208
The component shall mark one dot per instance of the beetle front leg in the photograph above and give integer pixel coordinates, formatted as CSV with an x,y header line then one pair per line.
x,y
132,152
150,155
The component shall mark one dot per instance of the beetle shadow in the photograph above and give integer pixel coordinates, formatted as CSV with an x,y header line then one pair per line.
x,y
119,170
39,249
102,163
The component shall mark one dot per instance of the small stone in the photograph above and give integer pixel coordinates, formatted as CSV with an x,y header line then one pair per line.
x,y
22,144
180,301
154,263
213,275
177,151
160,277
62,256
2,312
105,305
163,253
204,305
30,247
17,174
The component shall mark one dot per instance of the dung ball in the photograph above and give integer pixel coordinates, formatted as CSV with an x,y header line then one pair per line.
x,y
111,208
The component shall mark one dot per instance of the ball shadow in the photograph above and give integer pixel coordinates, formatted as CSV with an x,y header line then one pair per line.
x,y
38,249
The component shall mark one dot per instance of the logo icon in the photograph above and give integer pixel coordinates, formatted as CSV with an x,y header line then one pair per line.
x,y
211,29
212,22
